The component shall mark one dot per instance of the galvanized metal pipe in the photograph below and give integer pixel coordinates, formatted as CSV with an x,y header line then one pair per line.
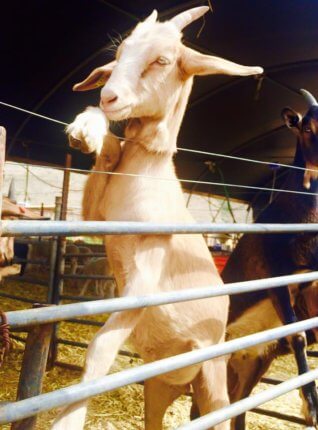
x,y
85,322
210,420
84,277
93,228
85,390
73,310
29,280
85,345
79,298
93,254
19,298
279,416
19,260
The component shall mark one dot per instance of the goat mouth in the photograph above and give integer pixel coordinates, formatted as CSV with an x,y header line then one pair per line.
x,y
117,114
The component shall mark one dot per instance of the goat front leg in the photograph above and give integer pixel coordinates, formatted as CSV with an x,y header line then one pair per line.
x,y
298,343
95,187
101,354
143,279
88,130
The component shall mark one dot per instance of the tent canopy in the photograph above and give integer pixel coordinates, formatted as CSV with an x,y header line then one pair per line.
x,y
49,46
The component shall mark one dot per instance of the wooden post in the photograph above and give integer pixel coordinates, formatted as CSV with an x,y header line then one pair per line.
x,y
66,185
2,160
33,369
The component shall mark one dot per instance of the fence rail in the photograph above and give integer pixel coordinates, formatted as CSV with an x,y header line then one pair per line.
x,y
33,317
93,228
95,307
84,390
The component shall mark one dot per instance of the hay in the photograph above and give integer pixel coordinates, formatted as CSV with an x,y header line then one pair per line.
x,y
122,409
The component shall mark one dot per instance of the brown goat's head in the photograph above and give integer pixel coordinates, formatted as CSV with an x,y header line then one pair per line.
x,y
151,67
306,130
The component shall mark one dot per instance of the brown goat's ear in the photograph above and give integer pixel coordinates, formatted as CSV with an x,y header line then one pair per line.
x,y
195,63
96,79
292,118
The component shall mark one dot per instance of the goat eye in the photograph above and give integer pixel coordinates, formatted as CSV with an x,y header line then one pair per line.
x,y
163,61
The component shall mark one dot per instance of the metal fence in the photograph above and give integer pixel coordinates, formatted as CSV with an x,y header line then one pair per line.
x,y
40,320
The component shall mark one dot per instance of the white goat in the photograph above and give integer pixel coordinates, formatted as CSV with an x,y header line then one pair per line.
x,y
41,252
103,287
149,84
85,258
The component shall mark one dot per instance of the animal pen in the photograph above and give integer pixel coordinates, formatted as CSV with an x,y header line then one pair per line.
x,y
40,322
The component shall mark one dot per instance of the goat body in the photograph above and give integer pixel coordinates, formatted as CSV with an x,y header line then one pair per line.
x,y
263,256
103,287
152,91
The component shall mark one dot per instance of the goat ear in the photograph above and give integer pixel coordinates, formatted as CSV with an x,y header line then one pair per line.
x,y
195,63
292,118
96,79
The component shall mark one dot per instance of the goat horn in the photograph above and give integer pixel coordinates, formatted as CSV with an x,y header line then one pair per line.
x,y
185,18
309,98
152,18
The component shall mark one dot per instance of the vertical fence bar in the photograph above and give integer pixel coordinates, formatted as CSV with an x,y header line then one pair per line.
x,y
53,293
2,160
66,185
33,369
53,255
58,260
4,346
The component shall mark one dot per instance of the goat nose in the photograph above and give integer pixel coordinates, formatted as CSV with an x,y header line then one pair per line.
x,y
108,96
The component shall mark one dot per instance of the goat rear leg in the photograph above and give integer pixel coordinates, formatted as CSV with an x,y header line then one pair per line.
x,y
298,343
210,389
158,397
244,371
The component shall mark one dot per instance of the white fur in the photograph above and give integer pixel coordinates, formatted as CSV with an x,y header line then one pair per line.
x,y
88,130
98,266
153,97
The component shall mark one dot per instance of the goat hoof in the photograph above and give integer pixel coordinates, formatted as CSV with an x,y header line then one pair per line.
x,y
88,130
311,405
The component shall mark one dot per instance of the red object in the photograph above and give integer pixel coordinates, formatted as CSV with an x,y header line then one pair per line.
x,y
220,261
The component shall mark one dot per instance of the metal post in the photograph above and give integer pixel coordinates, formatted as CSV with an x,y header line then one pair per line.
x,y
33,369
53,293
54,247
58,260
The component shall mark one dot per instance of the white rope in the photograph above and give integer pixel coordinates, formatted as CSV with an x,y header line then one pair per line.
x,y
189,181
194,151
33,113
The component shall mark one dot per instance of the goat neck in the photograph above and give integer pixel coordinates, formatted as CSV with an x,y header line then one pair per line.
x,y
159,134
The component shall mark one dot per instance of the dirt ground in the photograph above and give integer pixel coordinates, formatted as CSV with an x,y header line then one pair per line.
x,y
122,409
